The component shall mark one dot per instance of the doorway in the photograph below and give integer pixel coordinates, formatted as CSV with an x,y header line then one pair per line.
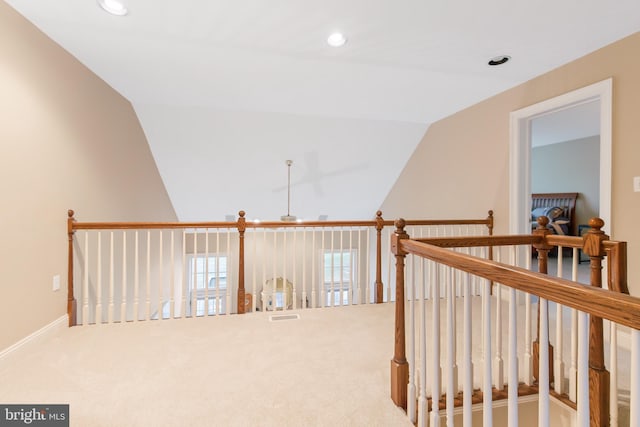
x,y
521,123
565,158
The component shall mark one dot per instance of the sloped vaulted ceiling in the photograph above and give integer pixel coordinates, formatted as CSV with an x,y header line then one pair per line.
x,y
228,91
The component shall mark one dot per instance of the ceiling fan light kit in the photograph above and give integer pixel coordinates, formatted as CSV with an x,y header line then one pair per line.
x,y
288,217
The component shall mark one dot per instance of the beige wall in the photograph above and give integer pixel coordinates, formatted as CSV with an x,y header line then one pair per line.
x,y
461,167
68,140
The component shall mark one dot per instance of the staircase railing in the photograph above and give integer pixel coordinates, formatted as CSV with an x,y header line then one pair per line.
x,y
131,271
426,361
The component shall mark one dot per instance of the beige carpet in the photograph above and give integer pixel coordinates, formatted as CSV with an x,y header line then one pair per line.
x,y
329,368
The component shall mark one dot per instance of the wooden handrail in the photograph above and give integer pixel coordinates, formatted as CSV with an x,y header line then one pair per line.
x,y
275,224
242,225
149,225
565,241
617,256
479,241
613,306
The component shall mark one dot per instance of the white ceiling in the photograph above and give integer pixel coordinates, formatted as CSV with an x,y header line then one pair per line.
x,y
226,91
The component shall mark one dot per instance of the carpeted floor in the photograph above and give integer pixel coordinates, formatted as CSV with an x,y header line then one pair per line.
x,y
330,367
320,370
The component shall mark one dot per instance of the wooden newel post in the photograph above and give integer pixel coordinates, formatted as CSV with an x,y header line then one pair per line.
x,y
242,226
71,301
379,284
490,248
543,260
490,223
399,365
598,375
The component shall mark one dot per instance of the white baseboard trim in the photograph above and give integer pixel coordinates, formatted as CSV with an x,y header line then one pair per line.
x,y
63,320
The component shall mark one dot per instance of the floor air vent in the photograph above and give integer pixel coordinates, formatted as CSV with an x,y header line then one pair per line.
x,y
280,317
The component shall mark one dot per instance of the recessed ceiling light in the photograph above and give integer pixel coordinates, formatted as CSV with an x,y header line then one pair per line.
x,y
336,40
499,60
114,7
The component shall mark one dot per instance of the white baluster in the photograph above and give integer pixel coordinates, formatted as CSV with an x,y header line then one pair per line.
x,y
528,358
136,277
467,387
161,276
411,344
194,277
322,288
341,282
274,305
434,420
351,269
183,277
98,317
634,398
583,370
428,289
147,310
390,295
123,296
263,290
558,365
613,379
172,279
229,273
487,392
422,395
254,263
111,280
284,269
368,282
304,268
331,300
205,280
85,282
314,279
293,257
452,368
513,358
573,369
543,383
498,363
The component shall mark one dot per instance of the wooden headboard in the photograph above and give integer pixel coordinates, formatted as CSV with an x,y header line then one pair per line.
x,y
567,200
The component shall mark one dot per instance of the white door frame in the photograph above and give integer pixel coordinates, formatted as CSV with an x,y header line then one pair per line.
x,y
520,151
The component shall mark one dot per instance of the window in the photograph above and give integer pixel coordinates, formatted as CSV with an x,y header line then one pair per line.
x,y
212,271
339,272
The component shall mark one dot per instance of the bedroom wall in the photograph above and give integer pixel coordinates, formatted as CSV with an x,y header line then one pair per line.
x,y
461,168
570,166
68,141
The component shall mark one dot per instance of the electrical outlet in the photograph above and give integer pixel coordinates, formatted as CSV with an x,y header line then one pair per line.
x,y
56,282
636,184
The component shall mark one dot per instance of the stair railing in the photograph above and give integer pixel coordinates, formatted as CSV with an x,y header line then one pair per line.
x,y
449,263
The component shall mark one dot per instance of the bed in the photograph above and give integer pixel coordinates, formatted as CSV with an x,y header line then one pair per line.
x,y
560,208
